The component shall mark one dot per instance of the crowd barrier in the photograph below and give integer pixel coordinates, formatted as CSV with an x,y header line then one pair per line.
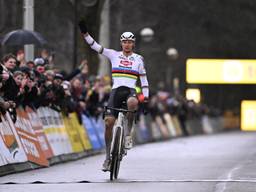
x,y
45,137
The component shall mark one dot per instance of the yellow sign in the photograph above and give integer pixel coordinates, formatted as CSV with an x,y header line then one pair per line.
x,y
82,131
193,94
221,71
248,115
73,135
77,133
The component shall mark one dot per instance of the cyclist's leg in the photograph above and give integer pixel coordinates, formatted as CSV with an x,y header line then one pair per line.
x,y
109,123
110,117
132,104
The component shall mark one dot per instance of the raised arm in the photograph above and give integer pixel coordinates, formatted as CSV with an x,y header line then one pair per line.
x,y
92,43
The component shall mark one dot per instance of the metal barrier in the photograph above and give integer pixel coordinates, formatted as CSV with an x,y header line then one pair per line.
x,y
46,137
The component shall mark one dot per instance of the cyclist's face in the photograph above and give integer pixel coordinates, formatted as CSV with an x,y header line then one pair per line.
x,y
127,45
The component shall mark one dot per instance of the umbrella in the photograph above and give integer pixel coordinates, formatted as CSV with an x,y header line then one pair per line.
x,y
23,37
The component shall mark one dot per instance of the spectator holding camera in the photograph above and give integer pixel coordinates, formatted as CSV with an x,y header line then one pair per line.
x,y
9,88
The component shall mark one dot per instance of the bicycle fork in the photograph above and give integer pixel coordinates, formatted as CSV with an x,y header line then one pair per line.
x,y
118,125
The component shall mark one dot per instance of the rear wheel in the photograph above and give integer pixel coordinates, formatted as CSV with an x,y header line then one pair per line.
x,y
116,155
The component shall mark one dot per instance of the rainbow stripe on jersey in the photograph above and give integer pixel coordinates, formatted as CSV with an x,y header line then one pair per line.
x,y
122,72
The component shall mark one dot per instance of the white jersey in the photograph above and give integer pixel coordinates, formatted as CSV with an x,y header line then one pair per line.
x,y
125,69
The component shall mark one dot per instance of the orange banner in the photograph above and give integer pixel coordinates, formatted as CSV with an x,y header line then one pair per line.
x,y
38,128
11,148
29,139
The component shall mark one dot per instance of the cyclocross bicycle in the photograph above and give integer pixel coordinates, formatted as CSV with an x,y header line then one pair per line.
x,y
117,150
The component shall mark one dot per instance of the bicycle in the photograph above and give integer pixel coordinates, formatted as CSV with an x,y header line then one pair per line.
x,y
117,149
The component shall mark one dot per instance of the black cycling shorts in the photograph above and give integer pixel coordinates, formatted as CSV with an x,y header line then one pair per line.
x,y
118,97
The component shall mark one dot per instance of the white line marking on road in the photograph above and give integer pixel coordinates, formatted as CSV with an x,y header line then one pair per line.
x,y
221,187
142,181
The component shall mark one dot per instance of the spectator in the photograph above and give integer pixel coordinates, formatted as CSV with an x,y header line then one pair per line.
x,y
4,76
96,98
9,88
78,93
21,62
40,65
10,62
31,64
83,76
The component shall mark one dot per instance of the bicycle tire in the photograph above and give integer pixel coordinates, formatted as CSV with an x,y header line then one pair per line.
x,y
115,161
120,153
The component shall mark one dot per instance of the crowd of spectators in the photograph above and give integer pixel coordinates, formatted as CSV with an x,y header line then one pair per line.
x,y
162,102
38,83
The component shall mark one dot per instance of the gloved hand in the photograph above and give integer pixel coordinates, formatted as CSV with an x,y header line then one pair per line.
x,y
82,26
145,107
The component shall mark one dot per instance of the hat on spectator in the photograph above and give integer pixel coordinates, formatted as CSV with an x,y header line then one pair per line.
x,y
58,76
28,72
25,69
66,84
31,63
39,61
49,72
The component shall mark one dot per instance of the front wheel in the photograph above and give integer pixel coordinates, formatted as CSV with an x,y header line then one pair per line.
x,y
116,154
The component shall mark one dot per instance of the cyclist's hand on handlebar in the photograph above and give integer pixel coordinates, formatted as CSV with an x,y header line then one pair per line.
x,y
145,106
82,26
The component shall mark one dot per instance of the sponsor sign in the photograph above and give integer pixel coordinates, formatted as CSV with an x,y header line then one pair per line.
x,y
29,139
81,131
38,129
92,133
11,149
248,115
221,71
73,134
55,131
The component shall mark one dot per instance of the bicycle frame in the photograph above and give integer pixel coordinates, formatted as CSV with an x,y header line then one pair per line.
x,y
117,150
118,124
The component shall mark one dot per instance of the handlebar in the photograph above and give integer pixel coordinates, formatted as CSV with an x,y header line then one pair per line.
x,y
120,109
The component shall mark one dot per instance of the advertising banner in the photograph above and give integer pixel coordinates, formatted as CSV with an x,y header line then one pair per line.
x,y
29,139
73,134
92,133
155,130
169,124
177,126
81,130
99,127
11,149
248,115
38,129
163,128
2,162
221,71
207,127
62,132
142,131
55,131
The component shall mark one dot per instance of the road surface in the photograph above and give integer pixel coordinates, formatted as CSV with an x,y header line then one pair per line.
x,y
223,162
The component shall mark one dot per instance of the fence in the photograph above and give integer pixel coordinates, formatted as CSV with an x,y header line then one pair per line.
x,y
44,137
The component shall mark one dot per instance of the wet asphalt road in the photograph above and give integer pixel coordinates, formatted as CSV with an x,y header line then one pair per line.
x,y
220,163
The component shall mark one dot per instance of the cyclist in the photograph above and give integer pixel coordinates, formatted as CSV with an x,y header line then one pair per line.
x,y
127,67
